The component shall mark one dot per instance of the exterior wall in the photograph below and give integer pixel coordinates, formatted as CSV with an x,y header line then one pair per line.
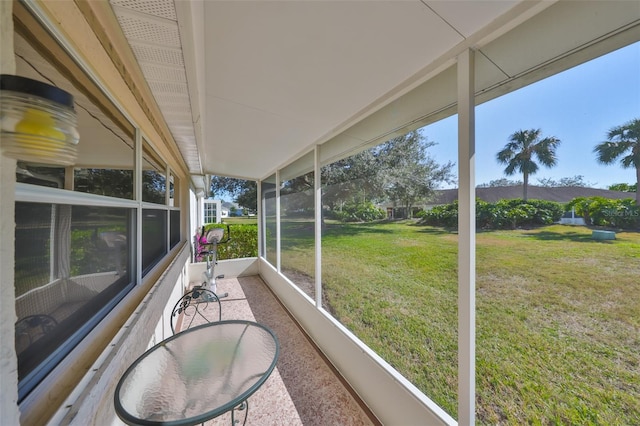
x,y
140,319
8,361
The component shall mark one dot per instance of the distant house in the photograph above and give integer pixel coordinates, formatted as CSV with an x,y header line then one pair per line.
x,y
230,209
571,218
400,212
210,211
560,194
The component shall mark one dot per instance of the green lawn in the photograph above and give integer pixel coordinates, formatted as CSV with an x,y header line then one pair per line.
x,y
558,315
240,220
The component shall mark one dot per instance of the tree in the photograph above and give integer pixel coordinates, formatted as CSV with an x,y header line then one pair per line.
x,y
521,152
622,142
111,182
623,187
410,175
399,170
245,192
356,179
577,180
500,182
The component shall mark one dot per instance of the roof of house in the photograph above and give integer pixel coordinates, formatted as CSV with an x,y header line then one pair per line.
x,y
562,194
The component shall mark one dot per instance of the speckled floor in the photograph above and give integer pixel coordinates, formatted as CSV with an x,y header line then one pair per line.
x,y
303,389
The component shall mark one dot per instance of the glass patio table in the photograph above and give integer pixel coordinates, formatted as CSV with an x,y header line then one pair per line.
x,y
197,374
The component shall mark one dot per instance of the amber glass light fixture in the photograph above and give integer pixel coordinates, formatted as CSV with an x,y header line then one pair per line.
x,y
38,121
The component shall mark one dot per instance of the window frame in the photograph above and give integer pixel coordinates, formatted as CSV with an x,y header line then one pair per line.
x,y
33,25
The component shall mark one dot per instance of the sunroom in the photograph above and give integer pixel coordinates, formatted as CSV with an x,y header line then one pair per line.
x,y
168,93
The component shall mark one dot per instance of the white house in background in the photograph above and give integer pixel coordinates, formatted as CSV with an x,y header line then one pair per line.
x,y
231,209
211,211
571,218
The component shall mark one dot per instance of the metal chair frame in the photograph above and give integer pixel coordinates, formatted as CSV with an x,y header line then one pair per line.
x,y
33,327
193,304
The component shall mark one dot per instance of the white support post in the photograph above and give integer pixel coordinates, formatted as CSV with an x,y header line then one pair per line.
x,y
318,225
278,245
262,251
466,239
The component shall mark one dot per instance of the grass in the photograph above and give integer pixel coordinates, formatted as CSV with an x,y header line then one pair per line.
x,y
241,220
557,313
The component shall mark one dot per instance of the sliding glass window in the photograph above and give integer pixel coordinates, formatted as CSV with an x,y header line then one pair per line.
x,y
154,180
74,238
76,224
154,219
73,264
174,211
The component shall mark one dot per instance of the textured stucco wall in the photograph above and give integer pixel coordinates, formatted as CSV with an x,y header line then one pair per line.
x,y
9,413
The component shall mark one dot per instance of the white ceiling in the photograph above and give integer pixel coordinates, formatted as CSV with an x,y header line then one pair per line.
x,y
246,86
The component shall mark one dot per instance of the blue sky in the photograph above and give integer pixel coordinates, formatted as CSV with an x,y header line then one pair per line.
x,y
577,106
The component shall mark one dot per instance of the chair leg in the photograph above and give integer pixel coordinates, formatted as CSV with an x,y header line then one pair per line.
x,y
244,406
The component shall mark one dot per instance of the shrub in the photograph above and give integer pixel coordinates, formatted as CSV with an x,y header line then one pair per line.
x,y
243,243
357,212
518,212
445,215
504,214
420,214
600,211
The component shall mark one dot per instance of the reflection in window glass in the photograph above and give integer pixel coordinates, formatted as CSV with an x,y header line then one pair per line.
x,y
71,265
391,282
49,176
105,151
174,226
297,224
174,187
268,189
109,182
154,237
108,156
154,181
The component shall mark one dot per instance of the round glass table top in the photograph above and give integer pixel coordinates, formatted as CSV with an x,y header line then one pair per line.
x,y
197,374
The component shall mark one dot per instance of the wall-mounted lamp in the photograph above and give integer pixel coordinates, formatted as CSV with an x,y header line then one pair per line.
x,y
38,121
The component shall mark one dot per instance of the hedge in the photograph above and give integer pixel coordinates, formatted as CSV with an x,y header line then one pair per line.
x,y
243,242
613,213
505,214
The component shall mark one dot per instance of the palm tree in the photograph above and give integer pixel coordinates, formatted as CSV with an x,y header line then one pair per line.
x,y
523,148
622,141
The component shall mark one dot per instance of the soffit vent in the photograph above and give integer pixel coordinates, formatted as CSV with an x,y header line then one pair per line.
x,y
151,28
158,33
158,55
163,9
167,87
153,72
